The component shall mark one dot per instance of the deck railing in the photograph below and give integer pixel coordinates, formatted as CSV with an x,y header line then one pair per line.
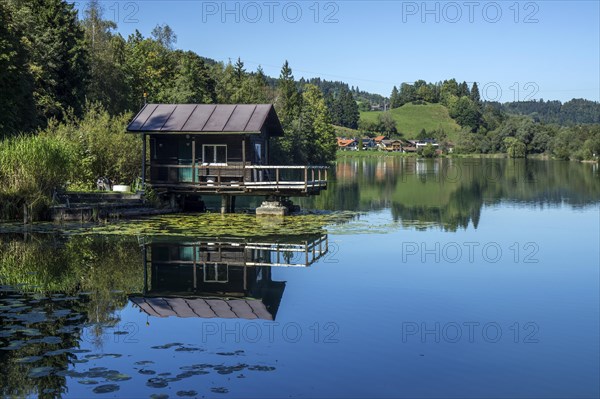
x,y
246,178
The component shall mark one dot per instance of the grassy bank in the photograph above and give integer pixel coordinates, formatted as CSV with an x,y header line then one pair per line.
x,y
373,154
410,119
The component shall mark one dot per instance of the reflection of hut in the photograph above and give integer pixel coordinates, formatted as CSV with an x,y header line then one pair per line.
x,y
225,279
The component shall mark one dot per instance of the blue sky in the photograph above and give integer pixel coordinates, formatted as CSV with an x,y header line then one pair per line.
x,y
514,50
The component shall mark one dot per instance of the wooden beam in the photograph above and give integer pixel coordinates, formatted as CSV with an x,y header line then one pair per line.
x,y
143,161
193,160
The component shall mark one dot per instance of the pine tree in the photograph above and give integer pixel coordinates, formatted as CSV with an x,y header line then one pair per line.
x,y
463,90
57,55
395,98
351,115
475,94
16,83
288,99
318,135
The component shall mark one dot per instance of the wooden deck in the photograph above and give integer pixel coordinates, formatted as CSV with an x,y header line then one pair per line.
x,y
239,179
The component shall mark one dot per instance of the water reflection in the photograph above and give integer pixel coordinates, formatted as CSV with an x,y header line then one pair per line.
x,y
63,299
220,278
450,193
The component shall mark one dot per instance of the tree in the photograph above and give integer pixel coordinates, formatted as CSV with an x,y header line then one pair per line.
x,y
514,147
164,35
315,123
475,97
149,69
289,99
192,82
57,55
386,123
466,113
428,151
463,90
16,83
407,93
107,83
395,98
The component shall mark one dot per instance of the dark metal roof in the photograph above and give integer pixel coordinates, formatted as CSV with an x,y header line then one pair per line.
x,y
207,118
204,308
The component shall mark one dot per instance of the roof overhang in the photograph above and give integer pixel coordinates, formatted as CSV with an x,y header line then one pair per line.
x,y
206,119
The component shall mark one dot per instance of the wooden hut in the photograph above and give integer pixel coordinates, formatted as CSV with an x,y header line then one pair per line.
x,y
219,149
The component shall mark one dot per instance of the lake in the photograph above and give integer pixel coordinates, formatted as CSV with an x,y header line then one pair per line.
x,y
412,278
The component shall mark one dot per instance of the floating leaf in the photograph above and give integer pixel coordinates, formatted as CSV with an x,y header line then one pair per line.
x,y
108,388
167,346
38,372
186,393
157,383
28,359
88,382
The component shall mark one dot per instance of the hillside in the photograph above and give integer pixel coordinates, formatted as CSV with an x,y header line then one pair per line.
x,y
346,131
410,119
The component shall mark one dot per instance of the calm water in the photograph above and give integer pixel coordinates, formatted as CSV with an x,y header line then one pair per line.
x,y
441,279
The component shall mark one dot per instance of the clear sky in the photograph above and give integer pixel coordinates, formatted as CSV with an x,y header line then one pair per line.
x,y
514,50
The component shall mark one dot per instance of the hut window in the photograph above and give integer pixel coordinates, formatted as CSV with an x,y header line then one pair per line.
x,y
214,154
216,273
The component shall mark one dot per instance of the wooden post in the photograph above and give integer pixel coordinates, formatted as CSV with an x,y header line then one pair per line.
x,y
306,177
232,204
244,150
194,160
143,161
194,276
225,204
244,159
144,260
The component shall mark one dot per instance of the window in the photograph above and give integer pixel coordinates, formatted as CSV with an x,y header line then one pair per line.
x,y
214,154
216,273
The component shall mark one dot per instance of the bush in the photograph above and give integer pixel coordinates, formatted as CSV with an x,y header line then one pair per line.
x,y
103,147
31,168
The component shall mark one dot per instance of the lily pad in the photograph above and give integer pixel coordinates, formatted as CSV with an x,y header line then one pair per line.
x,y
39,372
108,388
29,359
143,362
219,390
88,382
166,346
118,377
157,383
147,372
187,393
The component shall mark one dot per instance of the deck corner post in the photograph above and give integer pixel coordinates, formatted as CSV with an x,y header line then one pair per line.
x,y
143,161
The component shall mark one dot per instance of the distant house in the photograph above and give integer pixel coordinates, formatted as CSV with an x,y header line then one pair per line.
x,y
347,144
379,139
391,145
367,143
424,142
